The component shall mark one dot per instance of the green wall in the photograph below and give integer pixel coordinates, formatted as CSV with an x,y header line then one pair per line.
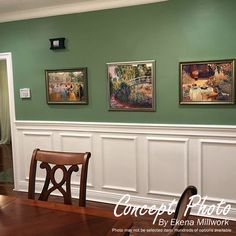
x,y
168,32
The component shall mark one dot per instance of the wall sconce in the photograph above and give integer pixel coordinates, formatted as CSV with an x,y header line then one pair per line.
x,y
57,43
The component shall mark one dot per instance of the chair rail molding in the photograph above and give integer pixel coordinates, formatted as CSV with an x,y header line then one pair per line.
x,y
153,156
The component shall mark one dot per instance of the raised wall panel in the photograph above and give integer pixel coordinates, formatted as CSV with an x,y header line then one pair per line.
x,y
119,161
72,142
167,165
76,142
32,140
218,169
152,162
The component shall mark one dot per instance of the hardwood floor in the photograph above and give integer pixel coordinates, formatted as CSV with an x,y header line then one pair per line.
x,y
142,225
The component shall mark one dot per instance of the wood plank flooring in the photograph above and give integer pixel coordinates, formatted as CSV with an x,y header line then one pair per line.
x,y
142,225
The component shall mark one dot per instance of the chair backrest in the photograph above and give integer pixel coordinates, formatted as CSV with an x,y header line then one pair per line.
x,y
180,209
51,161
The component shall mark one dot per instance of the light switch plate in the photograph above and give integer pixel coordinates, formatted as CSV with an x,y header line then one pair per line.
x,y
25,93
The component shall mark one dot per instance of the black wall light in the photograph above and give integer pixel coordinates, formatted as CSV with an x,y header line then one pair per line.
x,y
57,43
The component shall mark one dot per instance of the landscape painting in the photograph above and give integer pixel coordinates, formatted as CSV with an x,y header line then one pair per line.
x,y
209,82
68,86
131,86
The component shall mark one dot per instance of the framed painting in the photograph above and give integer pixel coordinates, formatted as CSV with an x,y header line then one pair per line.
x,y
67,86
207,82
131,86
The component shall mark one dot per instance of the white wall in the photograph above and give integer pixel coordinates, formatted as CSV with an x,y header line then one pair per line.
x,y
153,163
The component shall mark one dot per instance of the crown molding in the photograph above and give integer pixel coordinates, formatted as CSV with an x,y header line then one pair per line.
x,y
93,5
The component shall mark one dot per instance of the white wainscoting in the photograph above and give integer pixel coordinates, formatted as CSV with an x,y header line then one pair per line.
x,y
151,162
167,155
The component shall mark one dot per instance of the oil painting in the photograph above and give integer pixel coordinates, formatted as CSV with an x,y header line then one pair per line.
x,y
131,86
207,82
67,86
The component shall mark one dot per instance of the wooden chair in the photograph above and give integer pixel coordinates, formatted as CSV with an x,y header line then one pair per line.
x,y
51,161
181,207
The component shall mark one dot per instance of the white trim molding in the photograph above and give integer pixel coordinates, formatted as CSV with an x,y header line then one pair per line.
x,y
218,161
134,128
184,167
129,158
70,8
7,57
109,157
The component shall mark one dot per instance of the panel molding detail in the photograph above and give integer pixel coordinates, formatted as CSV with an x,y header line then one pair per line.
x,y
224,143
134,158
185,168
33,140
38,133
78,142
127,164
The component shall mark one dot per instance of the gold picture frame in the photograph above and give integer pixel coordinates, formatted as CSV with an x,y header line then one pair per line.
x,y
207,82
67,86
